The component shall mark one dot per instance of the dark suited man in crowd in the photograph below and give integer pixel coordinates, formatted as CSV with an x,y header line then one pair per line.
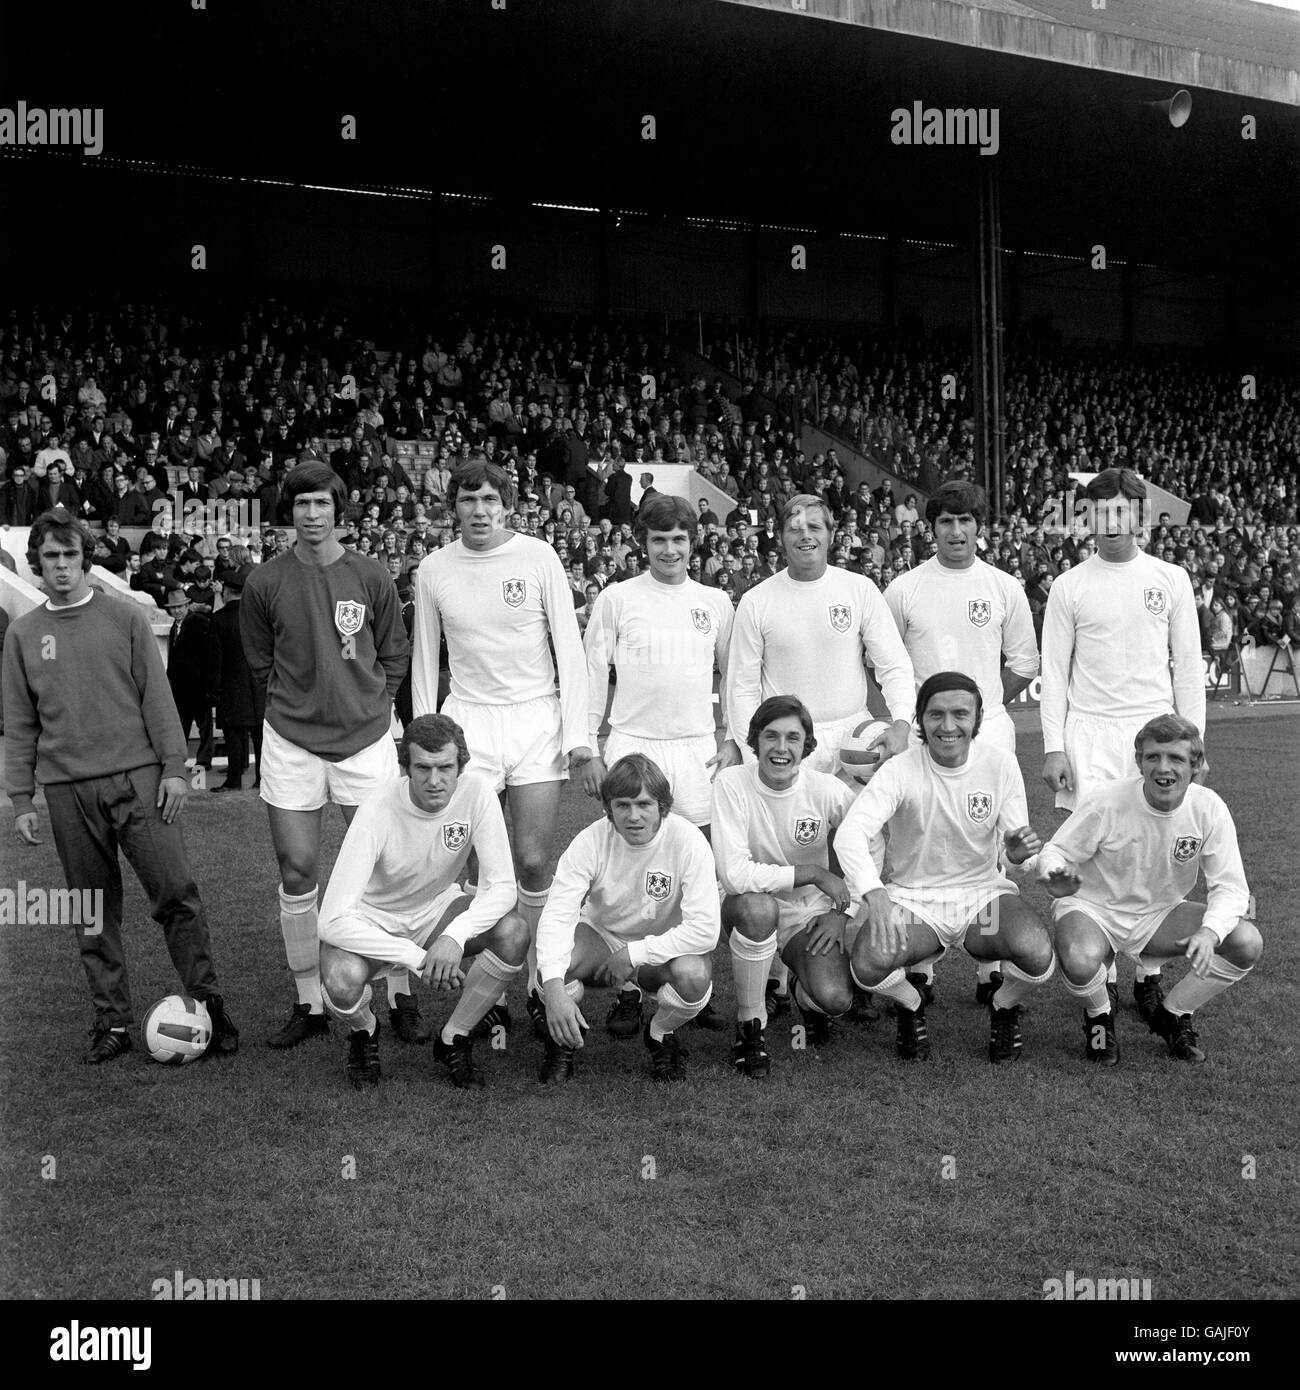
x,y
187,670
240,702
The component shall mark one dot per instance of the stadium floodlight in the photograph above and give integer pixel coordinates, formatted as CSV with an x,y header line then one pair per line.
x,y
1178,108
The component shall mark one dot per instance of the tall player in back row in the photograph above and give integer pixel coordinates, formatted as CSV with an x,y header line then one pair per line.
x,y
663,633
1121,645
322,631
502,601
956,613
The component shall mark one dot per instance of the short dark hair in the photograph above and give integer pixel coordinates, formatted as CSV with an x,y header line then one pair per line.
x,y
781,707
632,774
665,513
432,732
60,526
1116,482
957,497
315,477
471,476
936,685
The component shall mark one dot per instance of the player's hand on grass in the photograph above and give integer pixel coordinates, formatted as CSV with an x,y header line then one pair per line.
x,y
726,756
442,964
1200,950
563,1017
887,925
26,827
894,741
172,793
617,970
1021,844
827,933
1057,773
834,887
1061,883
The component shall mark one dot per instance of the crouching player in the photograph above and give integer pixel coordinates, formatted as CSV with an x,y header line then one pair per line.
x,y
634,898
949,805
773,823
393,898
1120,869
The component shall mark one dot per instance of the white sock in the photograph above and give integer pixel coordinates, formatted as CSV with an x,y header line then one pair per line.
x,y
360,1018
926,967
780,972
484,981
1147,968
673,1011
984,970
1092,992
1191,991
894,986
1112,974
529,906
399,982
750,961
1016,983
298,919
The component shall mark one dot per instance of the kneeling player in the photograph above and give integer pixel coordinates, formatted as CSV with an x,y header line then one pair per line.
x,y
950,806
393,898
773,822
634,899
1120,869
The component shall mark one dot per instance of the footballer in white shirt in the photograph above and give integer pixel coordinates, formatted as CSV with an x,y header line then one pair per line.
x,y
1121,868
957,613
393,899
663,633
634,898
502,602
774,825
954,807
1121,645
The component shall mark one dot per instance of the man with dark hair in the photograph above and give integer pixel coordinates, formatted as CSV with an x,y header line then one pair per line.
x,y
240,700
322,630
503,603
954,806
87,713
634,898
774,822
188,670
393,899
1121,868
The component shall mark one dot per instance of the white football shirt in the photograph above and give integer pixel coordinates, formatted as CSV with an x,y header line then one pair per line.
x,y
660,899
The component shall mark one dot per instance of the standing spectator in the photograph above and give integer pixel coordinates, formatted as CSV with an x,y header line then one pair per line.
x,y
188,670
240,701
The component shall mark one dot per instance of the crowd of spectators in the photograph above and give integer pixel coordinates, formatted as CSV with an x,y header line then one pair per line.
x,y
139,417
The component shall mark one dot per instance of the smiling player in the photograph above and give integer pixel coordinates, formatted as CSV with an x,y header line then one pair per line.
x,y
1121,868
774,821
393,899
634,898
951,806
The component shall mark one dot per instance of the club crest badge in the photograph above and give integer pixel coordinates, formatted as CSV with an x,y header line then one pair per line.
x,y
658,885
702,619
977,610
806,828
1186,848
1155,600
513,592
978,806
455,835
841,616
349,617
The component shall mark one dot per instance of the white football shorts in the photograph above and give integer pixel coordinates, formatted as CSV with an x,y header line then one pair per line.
x,y
682,760
951,913
1127,932
512,745
295,780
381,936
1099,750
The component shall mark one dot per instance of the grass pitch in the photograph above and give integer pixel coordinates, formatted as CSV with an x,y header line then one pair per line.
x,y
846,1175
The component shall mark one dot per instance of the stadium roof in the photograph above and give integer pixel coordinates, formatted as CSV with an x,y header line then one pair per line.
x,y
1223,45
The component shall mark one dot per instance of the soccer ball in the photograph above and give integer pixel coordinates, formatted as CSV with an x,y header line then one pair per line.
x,y
855,761
176,1030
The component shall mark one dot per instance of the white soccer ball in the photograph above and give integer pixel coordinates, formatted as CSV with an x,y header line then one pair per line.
x,y
855,761
176,1030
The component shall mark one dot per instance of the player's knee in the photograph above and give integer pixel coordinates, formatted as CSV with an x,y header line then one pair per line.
x,y
869,963
342,975
691,976
1080,960
512,939
532,864
297,874
834,997
1243,945
753,915
1032,950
